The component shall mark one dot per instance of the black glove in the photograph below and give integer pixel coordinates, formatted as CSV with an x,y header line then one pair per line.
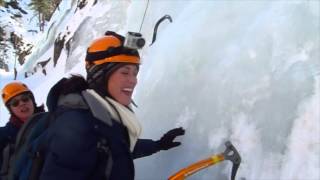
x,y
166,141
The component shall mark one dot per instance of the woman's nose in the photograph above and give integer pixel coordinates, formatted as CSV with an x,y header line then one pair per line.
x,y
133,79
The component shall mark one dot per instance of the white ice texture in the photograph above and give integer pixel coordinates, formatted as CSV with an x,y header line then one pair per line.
x,y
244,71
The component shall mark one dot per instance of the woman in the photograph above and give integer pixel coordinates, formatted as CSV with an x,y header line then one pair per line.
x,y
21,105
96,134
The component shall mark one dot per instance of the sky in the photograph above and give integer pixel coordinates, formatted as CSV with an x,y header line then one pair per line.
x,y
244,71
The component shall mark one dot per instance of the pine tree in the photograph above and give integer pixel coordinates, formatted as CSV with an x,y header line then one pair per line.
x,y
44,10
2,2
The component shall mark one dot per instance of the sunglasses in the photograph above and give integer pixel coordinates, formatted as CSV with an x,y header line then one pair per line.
x,y
15,101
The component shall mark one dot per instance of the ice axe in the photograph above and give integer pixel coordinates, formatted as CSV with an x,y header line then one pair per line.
x,y
229,154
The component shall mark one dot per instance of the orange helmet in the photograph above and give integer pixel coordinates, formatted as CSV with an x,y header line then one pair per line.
x,y
109,48
104,56
13,89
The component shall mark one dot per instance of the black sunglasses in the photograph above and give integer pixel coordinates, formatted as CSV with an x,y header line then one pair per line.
x,y
15,101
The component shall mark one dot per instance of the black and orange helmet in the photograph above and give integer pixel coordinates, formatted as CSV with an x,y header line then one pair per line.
x,y
13,89
104,56
108,49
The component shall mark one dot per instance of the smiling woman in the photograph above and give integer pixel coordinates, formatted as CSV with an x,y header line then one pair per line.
x,y
122,83
97,134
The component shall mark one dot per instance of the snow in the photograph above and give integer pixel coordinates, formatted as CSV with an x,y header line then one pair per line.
x,y
20,26
244,71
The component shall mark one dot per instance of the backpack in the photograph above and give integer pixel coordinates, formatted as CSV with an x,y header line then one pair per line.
x,y
30,148
10,149
29,144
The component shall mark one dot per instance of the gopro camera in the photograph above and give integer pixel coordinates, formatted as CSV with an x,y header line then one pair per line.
x,y
134,40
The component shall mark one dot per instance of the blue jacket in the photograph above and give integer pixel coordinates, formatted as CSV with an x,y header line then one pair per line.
x,y
8,135
9,132
73,139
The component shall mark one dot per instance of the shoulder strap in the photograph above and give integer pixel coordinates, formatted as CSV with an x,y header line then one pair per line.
x,y
95,104
38,154
21,139
11,149
27,127
6,156
105,160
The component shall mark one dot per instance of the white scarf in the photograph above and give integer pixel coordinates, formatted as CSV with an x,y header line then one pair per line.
x,y
101,109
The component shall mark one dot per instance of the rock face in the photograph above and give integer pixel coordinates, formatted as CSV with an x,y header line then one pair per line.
x,y
82,3
22,49
58,46
13,47
15,5
17,33
3,51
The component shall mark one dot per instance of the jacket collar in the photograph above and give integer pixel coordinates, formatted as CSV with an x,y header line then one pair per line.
x,y
106,109
15,121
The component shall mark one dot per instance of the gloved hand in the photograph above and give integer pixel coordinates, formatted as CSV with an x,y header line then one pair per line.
x,y
166,142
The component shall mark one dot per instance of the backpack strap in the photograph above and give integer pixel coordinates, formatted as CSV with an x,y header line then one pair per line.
x,y
38,155
105,161
36,127
27,127
22,138
6,154
104,126
9,151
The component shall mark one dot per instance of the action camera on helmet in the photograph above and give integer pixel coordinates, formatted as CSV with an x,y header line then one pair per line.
x,y
134,40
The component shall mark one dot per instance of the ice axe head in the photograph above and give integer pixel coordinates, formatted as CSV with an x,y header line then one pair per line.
x,y
232,154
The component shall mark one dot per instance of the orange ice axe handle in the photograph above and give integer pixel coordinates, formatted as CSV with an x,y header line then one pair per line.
x,y
230,154
195,167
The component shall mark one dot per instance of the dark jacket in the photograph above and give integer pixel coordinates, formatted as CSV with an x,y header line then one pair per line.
x,y
9,132
74,136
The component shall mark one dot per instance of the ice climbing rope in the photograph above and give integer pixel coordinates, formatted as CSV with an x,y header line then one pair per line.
x,y
144,15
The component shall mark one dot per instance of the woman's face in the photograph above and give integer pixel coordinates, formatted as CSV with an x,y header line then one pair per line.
x,y
122,83
22,106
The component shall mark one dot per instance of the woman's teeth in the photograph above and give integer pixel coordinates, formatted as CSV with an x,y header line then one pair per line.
x,y
128,89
